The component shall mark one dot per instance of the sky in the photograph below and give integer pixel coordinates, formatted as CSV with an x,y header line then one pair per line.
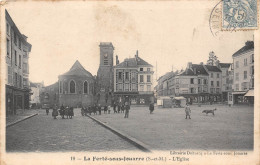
x,y
169,33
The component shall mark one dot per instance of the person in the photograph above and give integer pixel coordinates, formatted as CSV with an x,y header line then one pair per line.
x,y
47,111
151,108
122,108
187,111
55,112
127,108
118,107
99,109
114,108
62,111
108,108
105,109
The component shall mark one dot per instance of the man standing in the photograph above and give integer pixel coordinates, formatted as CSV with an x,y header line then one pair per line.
x,y
187,111
127,108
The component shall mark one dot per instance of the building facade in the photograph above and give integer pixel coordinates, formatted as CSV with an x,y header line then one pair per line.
x,y
76,87
36,89
17,68
225,83
243,72
133,81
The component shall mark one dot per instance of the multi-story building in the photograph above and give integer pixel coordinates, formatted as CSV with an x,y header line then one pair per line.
x,y
17,68
193,83
215,82
225,83
36,89
133,81
243,81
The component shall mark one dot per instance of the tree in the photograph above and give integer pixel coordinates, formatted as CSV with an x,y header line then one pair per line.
x,y
212,58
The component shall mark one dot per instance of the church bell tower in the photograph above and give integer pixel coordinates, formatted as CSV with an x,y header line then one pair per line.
x,y
105,71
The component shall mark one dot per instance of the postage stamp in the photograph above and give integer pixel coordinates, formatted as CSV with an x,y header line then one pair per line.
x,y
239,14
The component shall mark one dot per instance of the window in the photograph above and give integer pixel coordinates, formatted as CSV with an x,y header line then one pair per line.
x,y
20,81
252,70
252,58
85,87
72,87
15,79
148,78
177,81
212,83
141,69
148,87
217,90
245,62
20,59
199,89
126,75
192,80
217,75
120,75
15,39
245,74
148,69
15,58
237,87
237,76
211,75
60,87
192,90
237,64
198,81
119,87
7,29
141,88
205,81
7,47
126,87
217,83
20,44
141,78
10,78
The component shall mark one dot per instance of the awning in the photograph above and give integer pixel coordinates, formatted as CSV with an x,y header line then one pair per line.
x,y
179,98
238,93
250,93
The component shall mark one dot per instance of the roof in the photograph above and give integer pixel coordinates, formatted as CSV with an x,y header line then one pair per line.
x,y
77,69
224,65
212,68
33,85
187,72
249,45
133,62
199,69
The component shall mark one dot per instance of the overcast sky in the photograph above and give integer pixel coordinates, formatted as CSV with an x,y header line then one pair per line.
x,y
171,33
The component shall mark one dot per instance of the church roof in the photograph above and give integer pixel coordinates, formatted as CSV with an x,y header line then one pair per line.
x,y
77,69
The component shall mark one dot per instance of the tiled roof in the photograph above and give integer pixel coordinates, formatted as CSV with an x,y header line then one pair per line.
x,y
199,69
224,65
77,69
212,68
248,46
133,62
187,72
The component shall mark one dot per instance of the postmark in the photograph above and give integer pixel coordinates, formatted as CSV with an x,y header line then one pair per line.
x,y
239,14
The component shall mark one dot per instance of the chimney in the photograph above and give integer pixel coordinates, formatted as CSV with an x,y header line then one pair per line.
x,y
136,55
201,63
189,65
117,61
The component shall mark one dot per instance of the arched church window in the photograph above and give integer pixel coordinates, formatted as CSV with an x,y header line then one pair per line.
x,y
72,86
85,87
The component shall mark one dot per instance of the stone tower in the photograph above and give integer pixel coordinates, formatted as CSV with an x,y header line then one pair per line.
x,y
105,71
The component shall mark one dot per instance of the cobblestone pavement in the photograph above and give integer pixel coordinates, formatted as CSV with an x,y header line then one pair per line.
x,y
230,129
42,133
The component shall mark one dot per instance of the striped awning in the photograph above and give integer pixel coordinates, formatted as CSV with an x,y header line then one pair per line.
x,y
250,93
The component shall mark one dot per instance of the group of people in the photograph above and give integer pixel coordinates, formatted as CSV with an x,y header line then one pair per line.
x,y
117,108
63,111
